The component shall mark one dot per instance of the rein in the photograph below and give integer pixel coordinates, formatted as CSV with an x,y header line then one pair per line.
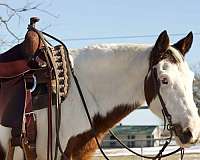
x,y
166,114
170,126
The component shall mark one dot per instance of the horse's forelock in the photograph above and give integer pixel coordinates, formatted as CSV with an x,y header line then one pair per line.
x,y
171,54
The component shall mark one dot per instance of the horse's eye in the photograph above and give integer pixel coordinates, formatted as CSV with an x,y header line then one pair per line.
x,y
164,80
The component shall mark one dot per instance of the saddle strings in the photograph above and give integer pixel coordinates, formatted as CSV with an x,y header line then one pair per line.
x,y
58,106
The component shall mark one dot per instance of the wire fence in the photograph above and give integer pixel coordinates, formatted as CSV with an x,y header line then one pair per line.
x,y
123,37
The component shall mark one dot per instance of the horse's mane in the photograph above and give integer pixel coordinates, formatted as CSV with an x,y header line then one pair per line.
x,y
111,48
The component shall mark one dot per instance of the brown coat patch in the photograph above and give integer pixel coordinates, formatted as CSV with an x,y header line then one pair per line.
x,y
149,88
82,146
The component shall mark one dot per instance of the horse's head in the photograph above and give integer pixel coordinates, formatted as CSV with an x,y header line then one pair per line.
x,y
173,80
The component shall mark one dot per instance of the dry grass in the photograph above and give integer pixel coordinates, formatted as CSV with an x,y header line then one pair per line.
x,y
173,157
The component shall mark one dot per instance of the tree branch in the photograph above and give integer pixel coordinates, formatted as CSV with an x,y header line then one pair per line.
x,y
13,12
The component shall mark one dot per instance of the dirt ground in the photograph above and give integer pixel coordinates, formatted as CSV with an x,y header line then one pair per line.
x,y
174,157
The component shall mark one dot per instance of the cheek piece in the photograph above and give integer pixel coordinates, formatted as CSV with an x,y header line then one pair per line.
x,y
166,115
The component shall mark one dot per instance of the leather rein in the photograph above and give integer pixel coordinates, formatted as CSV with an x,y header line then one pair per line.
x,y
165,113
170,126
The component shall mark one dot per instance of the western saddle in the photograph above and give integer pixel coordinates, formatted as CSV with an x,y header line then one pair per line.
x,y
33,75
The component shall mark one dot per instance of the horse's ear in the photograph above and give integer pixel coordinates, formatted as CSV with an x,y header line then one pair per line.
x,y
184,44
162,42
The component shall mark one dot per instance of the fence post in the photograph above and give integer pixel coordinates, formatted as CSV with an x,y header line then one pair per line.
x,y
142,151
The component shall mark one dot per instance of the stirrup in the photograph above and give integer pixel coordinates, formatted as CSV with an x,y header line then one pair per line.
x,y
29,151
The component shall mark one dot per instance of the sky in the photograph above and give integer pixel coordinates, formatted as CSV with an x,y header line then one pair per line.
x,y
147,119
77,19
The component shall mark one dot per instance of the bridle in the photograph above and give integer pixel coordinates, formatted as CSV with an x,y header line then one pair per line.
x,y
165,113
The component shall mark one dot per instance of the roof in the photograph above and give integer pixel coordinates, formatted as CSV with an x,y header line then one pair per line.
x,y
142,117
142,130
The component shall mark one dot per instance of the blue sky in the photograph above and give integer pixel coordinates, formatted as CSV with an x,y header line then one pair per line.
x,y
108,18
105,18
142,117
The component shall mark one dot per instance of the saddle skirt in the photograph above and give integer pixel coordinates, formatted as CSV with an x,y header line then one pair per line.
x,y
13,63
12,100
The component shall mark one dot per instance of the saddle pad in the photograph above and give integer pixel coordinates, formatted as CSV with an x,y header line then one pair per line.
x,y
12,102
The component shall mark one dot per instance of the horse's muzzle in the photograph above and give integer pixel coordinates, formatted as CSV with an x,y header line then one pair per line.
x,y
186,136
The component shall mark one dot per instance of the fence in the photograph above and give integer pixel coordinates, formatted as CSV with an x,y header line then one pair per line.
x,y
135,143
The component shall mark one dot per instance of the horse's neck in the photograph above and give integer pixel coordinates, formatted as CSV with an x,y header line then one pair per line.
x,y
111,75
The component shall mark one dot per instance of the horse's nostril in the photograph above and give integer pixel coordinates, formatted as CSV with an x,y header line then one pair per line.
x,y
186,136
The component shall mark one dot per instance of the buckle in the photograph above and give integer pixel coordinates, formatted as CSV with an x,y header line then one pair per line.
x,y
34,83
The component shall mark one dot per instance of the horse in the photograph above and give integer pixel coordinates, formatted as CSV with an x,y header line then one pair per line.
x,y
115,80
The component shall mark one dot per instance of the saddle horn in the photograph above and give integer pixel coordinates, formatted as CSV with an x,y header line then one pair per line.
x,y
33,21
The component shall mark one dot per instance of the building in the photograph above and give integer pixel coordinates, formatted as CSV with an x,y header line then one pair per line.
x,y
140,129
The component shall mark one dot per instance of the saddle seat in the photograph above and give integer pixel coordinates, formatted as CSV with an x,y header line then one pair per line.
x,y
12,63
15,61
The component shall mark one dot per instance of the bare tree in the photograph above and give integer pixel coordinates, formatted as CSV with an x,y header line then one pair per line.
x,y
8,14
12,13
196,90
196,85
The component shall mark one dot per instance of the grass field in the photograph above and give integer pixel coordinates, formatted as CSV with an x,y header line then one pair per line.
x,y
173,157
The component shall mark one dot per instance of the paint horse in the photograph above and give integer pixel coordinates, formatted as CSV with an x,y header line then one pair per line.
x,y
112,78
